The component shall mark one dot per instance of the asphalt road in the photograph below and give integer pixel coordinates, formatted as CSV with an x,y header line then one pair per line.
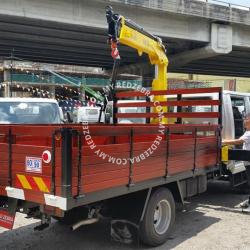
x,y
212,220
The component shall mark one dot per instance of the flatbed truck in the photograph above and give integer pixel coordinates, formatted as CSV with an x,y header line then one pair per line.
x,y
77,172
128,172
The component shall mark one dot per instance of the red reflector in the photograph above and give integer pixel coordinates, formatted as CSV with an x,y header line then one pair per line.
x,y
46,156
6,219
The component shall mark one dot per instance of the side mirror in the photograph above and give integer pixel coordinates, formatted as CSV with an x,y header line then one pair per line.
x,y
244,115
107,118
69,117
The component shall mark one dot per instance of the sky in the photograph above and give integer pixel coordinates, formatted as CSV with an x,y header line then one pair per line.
x,y
240,2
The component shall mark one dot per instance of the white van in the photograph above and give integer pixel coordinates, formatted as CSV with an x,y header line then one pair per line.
x,y
16,110
87,114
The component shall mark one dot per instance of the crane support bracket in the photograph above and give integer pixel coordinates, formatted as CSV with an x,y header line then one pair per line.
x,y
235,154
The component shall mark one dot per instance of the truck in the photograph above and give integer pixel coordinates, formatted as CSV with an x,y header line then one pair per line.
x,y
132,173
17,110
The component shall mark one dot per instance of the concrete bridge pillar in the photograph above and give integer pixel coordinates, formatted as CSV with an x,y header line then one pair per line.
x,y
220,43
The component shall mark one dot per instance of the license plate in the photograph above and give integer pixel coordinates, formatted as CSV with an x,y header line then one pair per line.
x,y
6,219
33,164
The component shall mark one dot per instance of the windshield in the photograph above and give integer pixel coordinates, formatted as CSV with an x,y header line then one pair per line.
x,y
29,113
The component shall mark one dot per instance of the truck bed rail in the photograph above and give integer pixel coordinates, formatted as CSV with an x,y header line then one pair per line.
x,y
123,156
179,103
64,166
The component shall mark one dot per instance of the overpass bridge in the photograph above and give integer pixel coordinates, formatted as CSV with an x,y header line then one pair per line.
x,y
201,37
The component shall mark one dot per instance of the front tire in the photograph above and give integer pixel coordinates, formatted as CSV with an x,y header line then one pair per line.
x,y
159,218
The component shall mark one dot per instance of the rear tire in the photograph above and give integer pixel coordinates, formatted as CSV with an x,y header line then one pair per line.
x,y
159,218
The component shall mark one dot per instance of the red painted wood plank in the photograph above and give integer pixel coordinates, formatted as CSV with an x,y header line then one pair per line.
x,y
171,103
3,181
29,149
149,152
177,146
102,158
4,147
109,149
109,130
173,160
2,191
151,161
169,92
148,169
178,167
139,146
104,185
170,115
206,160
100,177
147,176
101,168
3,156
36,130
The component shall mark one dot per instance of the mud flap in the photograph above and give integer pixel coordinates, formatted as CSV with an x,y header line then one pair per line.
x,y
8,214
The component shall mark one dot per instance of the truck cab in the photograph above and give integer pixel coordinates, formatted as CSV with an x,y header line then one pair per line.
x,y
29,111
235,106
87,114
123,110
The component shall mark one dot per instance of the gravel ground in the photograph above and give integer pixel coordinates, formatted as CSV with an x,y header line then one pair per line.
x,y
212,220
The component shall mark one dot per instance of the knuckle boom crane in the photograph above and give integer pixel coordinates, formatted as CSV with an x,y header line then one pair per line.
x,y
125,31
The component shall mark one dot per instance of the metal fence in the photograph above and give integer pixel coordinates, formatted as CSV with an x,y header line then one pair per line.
x,y
52,79
212,9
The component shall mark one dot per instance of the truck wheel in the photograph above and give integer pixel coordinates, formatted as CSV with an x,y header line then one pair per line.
x,y
159,218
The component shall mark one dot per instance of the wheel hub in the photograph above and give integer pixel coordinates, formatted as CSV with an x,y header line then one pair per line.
x,y
162,217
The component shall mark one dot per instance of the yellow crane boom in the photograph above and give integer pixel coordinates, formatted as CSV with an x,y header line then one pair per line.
x,y
125,31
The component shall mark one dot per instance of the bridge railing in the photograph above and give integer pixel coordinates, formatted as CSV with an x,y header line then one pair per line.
x,y
212,9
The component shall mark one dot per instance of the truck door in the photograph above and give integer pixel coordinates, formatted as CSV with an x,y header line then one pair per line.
x,y
227,118
247,103
235,107
239,111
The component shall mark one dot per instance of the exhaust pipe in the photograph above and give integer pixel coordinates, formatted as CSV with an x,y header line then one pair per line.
x,y
83,223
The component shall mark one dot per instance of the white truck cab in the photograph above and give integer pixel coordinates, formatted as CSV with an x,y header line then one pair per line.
x,y
235,106
124,110
29,111
87,114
